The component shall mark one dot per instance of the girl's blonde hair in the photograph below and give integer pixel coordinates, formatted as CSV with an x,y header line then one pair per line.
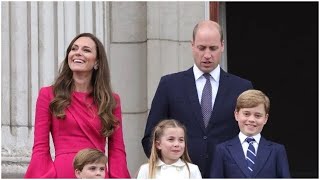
x,y
156,135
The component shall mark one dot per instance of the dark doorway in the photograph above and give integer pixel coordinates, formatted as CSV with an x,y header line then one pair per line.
x,y
275,45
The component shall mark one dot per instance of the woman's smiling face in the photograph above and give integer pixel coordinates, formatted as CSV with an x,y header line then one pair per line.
x,y
83,55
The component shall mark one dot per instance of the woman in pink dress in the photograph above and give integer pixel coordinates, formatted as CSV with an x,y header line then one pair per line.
x,y
80,111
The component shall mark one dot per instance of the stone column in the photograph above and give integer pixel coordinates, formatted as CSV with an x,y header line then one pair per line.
x,y
128,62
33,44
170,26
16,86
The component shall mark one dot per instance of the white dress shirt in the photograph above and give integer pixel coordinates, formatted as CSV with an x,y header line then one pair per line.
x,y
201,81
245,144
177,170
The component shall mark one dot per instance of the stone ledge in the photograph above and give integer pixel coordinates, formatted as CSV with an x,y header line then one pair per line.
x,y
12,175
10,160
11,169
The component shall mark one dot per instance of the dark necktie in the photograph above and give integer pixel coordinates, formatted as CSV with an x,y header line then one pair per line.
x,y
206,100
251,154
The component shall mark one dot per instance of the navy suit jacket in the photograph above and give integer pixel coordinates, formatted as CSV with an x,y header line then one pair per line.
x,y
177,98
229,161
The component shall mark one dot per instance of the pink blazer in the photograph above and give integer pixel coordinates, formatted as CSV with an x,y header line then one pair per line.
x,y
80,129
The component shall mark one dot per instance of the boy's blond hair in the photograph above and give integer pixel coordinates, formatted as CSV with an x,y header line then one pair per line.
x,y
252,98
88,156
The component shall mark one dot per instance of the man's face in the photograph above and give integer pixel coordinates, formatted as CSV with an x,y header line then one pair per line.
x,y
207,48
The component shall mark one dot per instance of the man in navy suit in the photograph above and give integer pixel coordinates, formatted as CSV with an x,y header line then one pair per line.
x,y
264,159
179,95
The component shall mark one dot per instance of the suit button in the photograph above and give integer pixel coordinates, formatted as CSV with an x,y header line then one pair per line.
x,y
204,137
207,156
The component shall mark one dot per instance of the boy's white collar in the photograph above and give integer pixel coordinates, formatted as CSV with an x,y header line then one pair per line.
x,y
243,137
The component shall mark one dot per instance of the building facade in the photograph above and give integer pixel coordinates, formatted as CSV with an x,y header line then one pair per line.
x,y
143,40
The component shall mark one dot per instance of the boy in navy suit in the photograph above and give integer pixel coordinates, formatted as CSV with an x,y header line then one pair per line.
x,y
249,155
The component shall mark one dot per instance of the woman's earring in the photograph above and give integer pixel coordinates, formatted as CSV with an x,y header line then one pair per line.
x,y
95,67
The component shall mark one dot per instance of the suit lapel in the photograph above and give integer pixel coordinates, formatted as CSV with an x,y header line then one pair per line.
x,y
222,89
191,90
236,151
264,151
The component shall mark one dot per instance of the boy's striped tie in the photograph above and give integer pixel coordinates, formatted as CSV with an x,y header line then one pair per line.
x,y
251,154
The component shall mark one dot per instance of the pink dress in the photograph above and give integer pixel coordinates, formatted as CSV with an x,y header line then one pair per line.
x,y
80,129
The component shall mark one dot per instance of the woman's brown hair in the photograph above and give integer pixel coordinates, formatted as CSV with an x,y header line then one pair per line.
x,y
100,81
